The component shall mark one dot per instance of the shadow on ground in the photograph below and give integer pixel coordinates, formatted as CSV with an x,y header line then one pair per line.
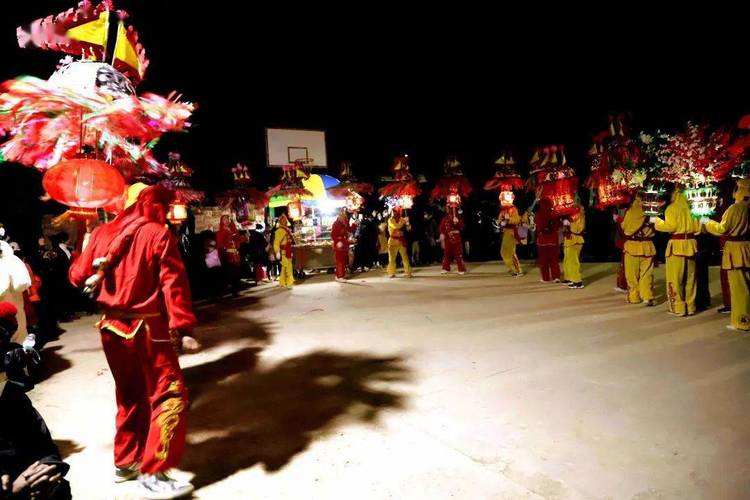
x,y
68,447
242,416
225,322
52,363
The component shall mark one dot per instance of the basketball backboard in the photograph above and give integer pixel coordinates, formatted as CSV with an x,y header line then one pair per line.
x,y
284,146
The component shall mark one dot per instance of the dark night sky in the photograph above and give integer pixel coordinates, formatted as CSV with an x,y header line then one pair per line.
x,y
424,82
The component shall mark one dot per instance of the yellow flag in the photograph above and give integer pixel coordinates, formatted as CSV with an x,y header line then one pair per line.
x,y
124,50
94,32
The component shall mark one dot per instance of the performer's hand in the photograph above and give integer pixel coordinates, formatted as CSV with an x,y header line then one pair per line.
x,y
653,219
455,220
190,345
5,486
278,256
615,217
34,478
566,222
704,220
339,245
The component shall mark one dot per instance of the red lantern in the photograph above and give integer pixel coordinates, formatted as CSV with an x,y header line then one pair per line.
x,y
178,213
84,184
611,194
562,194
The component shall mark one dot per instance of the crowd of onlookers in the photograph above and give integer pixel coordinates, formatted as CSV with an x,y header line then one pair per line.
x,y
34,298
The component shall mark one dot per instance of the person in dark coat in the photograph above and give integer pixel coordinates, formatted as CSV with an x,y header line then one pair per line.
x,y
30,463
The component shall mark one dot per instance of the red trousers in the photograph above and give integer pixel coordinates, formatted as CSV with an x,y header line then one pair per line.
x,y
342,260
151,396
726,296
260,273
453,250
549,261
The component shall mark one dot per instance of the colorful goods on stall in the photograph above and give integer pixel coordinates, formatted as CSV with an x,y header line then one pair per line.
x,y
558,182
453,186
402,190
350,189
243,199
617,165
505,180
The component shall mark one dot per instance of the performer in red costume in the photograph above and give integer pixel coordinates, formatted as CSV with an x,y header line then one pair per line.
x,y
548,242
340,235
228,241
134,266
450,232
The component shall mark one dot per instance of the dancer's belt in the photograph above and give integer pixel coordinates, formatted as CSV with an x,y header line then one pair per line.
x,y
682,236
116,314
737,238
637,238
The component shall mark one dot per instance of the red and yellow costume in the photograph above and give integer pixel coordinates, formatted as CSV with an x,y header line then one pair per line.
x,y
509,221
283,242
450,230
638,253
397,226
548,241
145,297
228,241
735,229
572,246
340,233
680,254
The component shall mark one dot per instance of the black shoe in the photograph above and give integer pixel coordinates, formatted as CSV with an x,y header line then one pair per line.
x,y
724,310
575,286
566,282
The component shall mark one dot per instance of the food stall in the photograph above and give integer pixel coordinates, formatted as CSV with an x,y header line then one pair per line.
x,y
313,217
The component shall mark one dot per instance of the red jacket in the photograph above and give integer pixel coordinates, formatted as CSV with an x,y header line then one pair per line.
x,y
150,278
548,229
340,234
451,230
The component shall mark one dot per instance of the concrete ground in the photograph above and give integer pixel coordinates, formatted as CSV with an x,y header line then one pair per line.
x,y
474,387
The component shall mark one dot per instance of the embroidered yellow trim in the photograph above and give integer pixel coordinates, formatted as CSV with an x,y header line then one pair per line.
x,y
168,420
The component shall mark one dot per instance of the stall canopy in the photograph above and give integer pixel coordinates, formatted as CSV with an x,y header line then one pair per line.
x,y
317,185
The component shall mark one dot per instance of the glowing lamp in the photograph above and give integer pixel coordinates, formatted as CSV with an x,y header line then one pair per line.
x,y
702,200
178,213
652,200
295,210
84,184
506,199
454,200
406,202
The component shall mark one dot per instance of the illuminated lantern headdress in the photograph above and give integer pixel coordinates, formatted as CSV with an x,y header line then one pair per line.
x,y
402,190
506,180
559,183
349,188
